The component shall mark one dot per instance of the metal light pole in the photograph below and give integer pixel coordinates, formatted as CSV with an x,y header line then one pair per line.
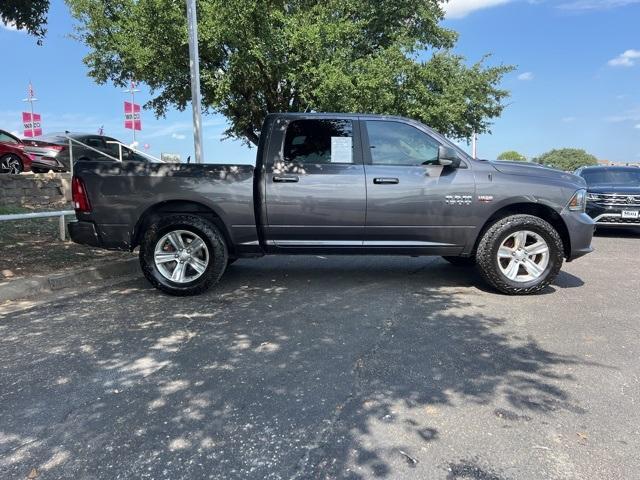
x,y
194,64
474,145
132,90
31,98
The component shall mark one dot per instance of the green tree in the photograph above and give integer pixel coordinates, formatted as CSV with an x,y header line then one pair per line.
x,y
29,15
259,56
567,159
512,155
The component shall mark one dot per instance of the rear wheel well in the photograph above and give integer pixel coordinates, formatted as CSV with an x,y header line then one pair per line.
x,y
153,213
537,210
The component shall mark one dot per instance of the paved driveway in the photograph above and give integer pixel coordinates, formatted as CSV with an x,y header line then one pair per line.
x,y
341,367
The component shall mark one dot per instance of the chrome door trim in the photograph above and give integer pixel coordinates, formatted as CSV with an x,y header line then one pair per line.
x,y
354,243
404,243
315,243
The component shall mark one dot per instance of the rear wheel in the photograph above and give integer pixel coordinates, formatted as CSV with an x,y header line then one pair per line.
x,y
11,164
183,254
520,254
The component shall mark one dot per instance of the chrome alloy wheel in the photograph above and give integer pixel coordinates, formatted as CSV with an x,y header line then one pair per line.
x,y
523,256
181,256
12,164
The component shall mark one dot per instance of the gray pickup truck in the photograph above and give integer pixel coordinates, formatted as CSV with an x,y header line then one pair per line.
x,y
336,184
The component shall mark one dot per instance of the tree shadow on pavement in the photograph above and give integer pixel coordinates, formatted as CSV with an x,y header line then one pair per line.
x,y
310,369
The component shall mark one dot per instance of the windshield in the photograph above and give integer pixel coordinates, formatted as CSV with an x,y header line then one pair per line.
x,y
627,177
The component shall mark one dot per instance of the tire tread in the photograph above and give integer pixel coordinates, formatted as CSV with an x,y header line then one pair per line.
x,y
218,256
485,260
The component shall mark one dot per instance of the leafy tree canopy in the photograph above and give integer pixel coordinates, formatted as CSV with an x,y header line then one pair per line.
x,y
29,15
259,56
567,159
513,156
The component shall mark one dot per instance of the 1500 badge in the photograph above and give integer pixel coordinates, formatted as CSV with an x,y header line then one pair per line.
x,y
458,199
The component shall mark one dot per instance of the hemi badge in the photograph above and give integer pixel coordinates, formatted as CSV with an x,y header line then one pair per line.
x,y
485,198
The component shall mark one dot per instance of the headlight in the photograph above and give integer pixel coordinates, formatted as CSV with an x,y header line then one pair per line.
x,y
578,202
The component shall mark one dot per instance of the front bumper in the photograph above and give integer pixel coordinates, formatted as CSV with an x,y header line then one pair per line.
x,y
611,216
581,228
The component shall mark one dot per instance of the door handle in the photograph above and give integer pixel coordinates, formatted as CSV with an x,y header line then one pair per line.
x,y
385,181
286,179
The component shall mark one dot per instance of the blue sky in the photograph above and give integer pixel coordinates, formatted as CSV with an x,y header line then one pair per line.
x,y
577,83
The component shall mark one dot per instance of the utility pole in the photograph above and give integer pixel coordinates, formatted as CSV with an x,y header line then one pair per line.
x,y
194,65
132,90
474,145
31,97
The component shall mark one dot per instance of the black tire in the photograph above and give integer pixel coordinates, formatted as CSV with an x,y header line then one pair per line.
x,y
487,254
14,160
207,231
461,261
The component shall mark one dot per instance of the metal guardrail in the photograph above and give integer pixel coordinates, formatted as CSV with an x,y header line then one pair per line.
x,y
24,216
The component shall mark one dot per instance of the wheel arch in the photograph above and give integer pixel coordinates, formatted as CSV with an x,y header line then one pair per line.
x,y
535,209
159,209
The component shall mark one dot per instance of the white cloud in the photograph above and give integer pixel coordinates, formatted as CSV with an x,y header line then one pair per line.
x,y
461,8
178,136
626,59
584,5
569,119
526,76
631,115
637,126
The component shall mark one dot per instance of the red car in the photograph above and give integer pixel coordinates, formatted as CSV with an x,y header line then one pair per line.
x,y
13,158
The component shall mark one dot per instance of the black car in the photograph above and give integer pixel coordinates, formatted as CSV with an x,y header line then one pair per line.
x,y
613,195
51,152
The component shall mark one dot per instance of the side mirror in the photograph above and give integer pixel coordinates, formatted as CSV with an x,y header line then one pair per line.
x,y
448,157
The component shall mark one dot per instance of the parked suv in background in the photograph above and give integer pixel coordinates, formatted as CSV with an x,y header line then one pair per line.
x,y
51,152
613,195
13,158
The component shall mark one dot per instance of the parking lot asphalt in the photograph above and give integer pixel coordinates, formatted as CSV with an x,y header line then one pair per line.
x,y
336,367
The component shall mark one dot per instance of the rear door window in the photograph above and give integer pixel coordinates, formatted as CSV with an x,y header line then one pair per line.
x,y
319,142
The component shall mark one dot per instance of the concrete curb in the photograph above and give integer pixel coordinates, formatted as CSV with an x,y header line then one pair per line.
x,y
43,284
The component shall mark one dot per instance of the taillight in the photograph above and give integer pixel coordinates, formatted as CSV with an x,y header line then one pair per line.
x,y
79,196
57,148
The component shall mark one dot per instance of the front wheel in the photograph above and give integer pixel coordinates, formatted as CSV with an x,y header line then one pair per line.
x,y
11,164
183,254
520,255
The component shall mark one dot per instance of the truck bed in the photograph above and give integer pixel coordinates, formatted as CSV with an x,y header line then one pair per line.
x,y
123,194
